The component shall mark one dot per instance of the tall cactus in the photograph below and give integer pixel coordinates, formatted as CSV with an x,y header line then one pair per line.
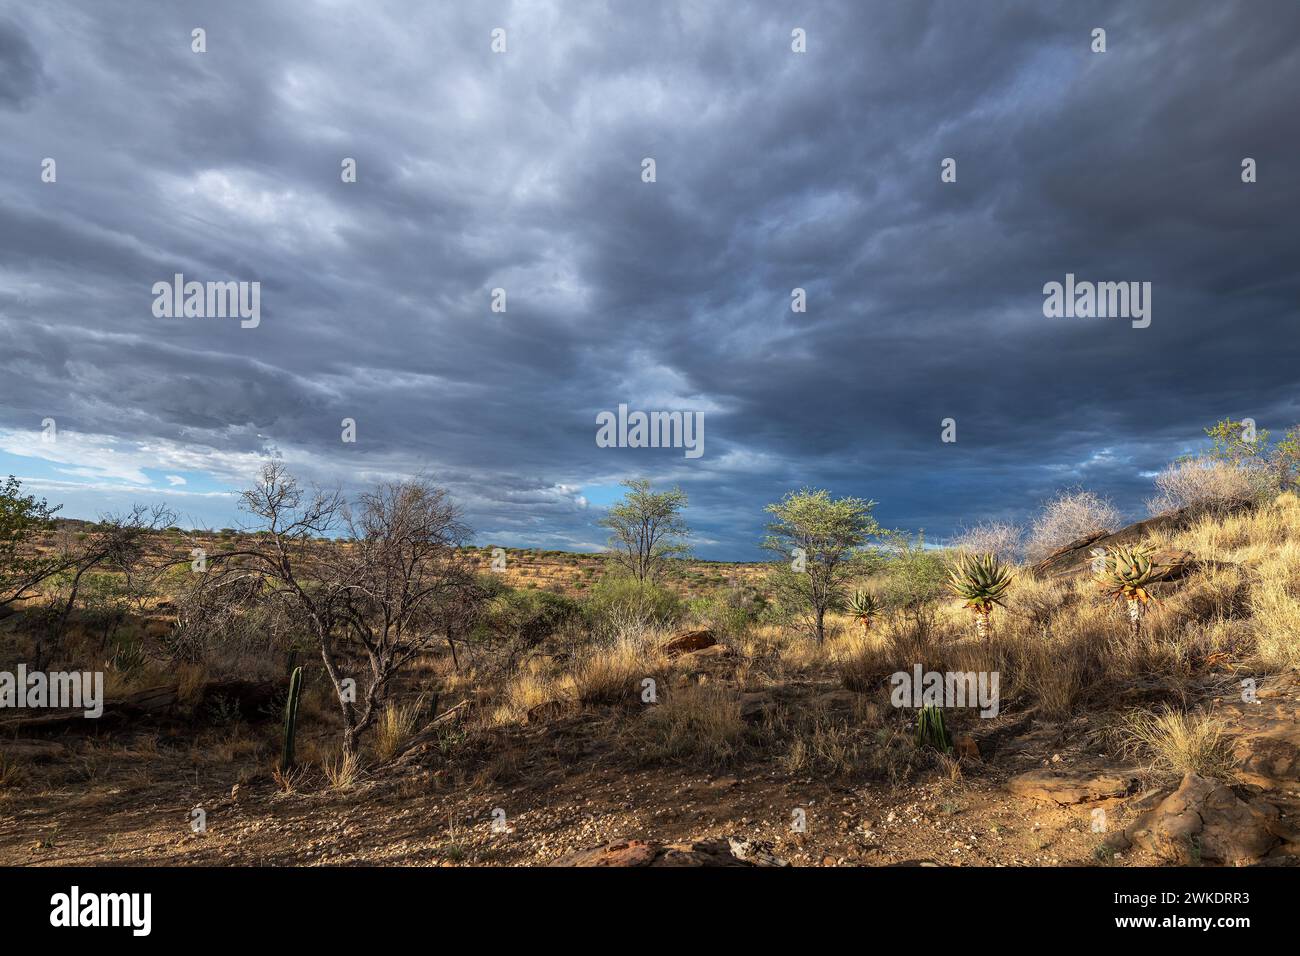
x,y
930,730
291,718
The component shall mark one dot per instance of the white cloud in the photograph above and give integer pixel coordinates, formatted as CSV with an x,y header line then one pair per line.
x,y
108,460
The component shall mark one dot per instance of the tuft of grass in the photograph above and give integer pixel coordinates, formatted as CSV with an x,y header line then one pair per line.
x,y
343,771
1052,668
865,669
697,724
1176,742
527,689
613,674
12,774
824,746
395,726
287,781
950,767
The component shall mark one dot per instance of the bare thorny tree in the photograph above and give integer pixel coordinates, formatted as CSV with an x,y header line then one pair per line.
x,y
375,581
118,543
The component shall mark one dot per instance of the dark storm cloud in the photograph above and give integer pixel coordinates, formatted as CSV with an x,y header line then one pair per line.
x,y
21,75
775,170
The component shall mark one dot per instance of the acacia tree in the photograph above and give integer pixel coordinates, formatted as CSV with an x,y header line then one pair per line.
x,y
117,543
373,596
22,564
1250,448
647,529
818,538
464,608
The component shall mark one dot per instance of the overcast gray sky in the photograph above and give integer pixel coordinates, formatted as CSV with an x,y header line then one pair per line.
x,y
523,170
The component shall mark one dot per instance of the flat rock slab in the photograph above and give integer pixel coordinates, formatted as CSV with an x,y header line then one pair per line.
x,y
1205,821
1065,787
1076,557
1267,734
1269,755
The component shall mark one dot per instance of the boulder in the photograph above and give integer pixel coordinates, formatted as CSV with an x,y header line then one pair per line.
x,y
1204,820
753,707
1076,557
1269,754
966,748
1065,787
704,653
688,641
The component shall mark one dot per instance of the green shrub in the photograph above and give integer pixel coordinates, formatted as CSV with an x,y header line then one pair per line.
x,y
729,613
914,577
529,616
617,602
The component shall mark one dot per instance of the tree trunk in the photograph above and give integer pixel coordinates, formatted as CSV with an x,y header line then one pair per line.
x,y
349,740
347,708
1135,616
451,644
821,625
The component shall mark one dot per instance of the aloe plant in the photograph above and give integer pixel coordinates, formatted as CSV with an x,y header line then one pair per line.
x,y
1127,574
865,607
982,580
291,718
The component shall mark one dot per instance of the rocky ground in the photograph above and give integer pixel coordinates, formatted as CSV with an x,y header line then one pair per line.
x,y
1035,795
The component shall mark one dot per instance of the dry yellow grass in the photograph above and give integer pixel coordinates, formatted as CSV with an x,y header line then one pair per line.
x,y
823,746
342,771
191,679
1177,743
1275,608
1242,538
613,674
762,642
700,723
230,749
288,781
1059,645
395,726
527,689
799,652
1264,544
